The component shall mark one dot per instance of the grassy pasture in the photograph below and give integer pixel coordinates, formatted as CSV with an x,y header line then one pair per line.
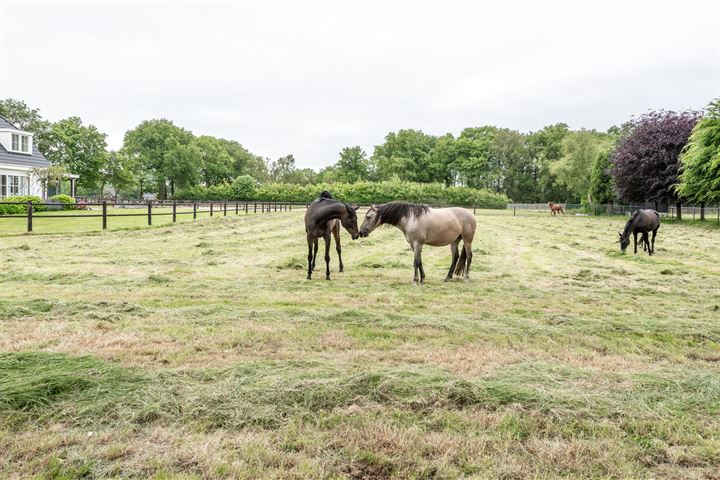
x,y
200,351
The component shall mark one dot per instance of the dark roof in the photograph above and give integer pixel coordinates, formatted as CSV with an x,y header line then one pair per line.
x,y
21,159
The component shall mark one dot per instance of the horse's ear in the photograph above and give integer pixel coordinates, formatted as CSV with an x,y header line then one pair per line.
x,y
354,206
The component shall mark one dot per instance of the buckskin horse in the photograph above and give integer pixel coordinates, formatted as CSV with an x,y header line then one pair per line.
x,y
423,225
641,221
323,218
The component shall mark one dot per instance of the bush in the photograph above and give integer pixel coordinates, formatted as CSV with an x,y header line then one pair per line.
x,y
7,209
244,187
360,192
68,202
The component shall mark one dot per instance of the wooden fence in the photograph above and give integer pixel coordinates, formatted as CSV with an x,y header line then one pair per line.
x,y
212,207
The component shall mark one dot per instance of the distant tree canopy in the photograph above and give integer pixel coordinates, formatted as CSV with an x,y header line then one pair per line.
x,y
646,161
636,161
700,162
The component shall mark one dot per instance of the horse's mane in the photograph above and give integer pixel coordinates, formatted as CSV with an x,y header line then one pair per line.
x,y
325,194
392,213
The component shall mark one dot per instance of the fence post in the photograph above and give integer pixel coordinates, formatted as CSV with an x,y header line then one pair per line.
x,y
149,212
290,206
174,211
194,210
29,216
104,221
513,211
246,208
211,208
224,209
237,207
693,213
255,208
262,207
276,206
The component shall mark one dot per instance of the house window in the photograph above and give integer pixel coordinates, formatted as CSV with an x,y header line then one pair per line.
x,y
20,143
12,185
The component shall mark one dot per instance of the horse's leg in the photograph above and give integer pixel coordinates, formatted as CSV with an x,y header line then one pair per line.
x,y
310,256
646,239
635,239
336,234
420,265
455,256
468,251
416,263
326,237
653,241
315,253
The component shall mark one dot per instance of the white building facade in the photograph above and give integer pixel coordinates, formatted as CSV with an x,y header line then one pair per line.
x,y
19,157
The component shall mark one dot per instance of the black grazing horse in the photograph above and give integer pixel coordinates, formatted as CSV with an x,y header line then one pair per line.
x,y
322,218
642,221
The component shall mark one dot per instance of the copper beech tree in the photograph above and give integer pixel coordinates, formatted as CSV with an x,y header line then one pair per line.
x,y
645,163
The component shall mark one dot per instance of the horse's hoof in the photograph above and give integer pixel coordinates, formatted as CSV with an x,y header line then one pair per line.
x,y
341,269
308,278
448,279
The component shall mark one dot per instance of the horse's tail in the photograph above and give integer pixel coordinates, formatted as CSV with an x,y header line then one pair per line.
x,y
562,211
460,266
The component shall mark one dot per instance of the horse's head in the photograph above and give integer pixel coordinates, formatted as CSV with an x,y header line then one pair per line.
x,y
349,221
372,220
624,241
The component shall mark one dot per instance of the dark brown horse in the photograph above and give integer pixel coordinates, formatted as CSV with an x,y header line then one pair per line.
x,y
555,209
323,218
642,222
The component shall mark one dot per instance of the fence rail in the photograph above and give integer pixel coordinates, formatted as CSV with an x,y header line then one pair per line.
x,y
694,212
220,208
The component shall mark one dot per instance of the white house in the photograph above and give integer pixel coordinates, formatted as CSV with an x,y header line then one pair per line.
x,y
18,158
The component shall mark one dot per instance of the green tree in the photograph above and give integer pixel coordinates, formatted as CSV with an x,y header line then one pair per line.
x,y
546,147
700,161
79,149
25,118
408,155
471,158
217,165
602,188
581,150
353,165
515,166
164,155
118,172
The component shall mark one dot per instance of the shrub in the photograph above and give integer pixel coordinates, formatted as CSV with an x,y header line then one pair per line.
x,y
244,187
6,207
68,202
360,192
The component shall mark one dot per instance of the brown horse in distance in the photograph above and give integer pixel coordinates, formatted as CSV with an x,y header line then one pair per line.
x,y
322,219
555,209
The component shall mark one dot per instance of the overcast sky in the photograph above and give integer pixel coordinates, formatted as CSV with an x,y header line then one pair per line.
x,y
310,78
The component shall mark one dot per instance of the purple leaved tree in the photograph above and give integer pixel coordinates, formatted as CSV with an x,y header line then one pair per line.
x,y
645,163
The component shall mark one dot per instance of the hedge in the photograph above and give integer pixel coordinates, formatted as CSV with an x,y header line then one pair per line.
x,y
361,192
7,209
67,202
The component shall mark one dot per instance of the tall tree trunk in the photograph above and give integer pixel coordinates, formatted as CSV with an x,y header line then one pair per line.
x,y
678,208
609,210
140,191
172,187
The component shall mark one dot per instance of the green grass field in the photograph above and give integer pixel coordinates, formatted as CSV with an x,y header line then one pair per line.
x,y
200,351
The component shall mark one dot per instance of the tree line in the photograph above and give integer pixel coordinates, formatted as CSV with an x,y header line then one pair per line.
x,y
657,157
